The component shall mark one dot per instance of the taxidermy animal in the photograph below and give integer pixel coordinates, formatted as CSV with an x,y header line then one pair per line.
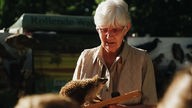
x,y
84,91
149,46
178,52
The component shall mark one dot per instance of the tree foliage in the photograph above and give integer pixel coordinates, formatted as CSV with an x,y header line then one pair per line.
x,y
149,17
161,17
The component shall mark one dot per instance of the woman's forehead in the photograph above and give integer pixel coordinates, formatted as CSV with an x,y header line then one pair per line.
x,y
109,26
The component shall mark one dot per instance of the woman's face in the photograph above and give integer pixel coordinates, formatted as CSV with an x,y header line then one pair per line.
x,y
111,38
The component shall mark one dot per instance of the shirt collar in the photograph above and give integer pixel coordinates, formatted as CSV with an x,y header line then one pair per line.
x,y
122,55
97,54
124,52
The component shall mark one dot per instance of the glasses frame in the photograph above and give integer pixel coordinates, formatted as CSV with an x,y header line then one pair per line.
x,y
113,31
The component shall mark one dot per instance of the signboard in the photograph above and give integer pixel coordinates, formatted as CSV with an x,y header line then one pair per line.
x,y
168,55
165,46
52,23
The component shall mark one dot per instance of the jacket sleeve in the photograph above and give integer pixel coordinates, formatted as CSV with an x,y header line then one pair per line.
x,y
149,83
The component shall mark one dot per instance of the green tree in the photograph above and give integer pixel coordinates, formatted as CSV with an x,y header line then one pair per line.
x,y
149,17
1,8
13,9
161,17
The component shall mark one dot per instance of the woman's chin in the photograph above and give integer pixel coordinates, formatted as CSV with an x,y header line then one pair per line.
x,y
111,50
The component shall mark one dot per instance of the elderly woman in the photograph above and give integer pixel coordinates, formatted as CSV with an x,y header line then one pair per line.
x,y
127,68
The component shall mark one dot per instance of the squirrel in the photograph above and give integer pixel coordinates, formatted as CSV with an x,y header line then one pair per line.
x,y
84,91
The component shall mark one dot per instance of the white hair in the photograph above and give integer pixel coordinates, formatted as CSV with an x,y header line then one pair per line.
x,y
112,13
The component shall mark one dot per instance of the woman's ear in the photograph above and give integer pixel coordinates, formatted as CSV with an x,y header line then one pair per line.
x,y
128,26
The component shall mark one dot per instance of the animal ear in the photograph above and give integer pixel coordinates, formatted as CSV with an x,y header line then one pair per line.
x,y
96,76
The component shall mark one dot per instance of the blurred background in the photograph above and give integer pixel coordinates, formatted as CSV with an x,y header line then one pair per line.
x,y
61,29
149,17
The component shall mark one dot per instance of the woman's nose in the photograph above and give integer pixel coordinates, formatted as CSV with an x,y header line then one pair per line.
x,y
108,35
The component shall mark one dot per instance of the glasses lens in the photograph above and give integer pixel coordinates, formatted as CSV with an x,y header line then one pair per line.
x,y
113,31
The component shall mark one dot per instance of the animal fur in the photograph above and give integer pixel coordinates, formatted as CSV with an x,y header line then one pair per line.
x,y
84,91
179,93
48,100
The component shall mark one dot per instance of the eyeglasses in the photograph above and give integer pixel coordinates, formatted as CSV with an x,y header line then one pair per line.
x,y
113,31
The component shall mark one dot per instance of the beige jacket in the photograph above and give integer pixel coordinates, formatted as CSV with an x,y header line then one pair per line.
x,y
132,70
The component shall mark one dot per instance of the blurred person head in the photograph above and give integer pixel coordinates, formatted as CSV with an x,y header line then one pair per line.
x,y
179,93
112,22
20,41
46,101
